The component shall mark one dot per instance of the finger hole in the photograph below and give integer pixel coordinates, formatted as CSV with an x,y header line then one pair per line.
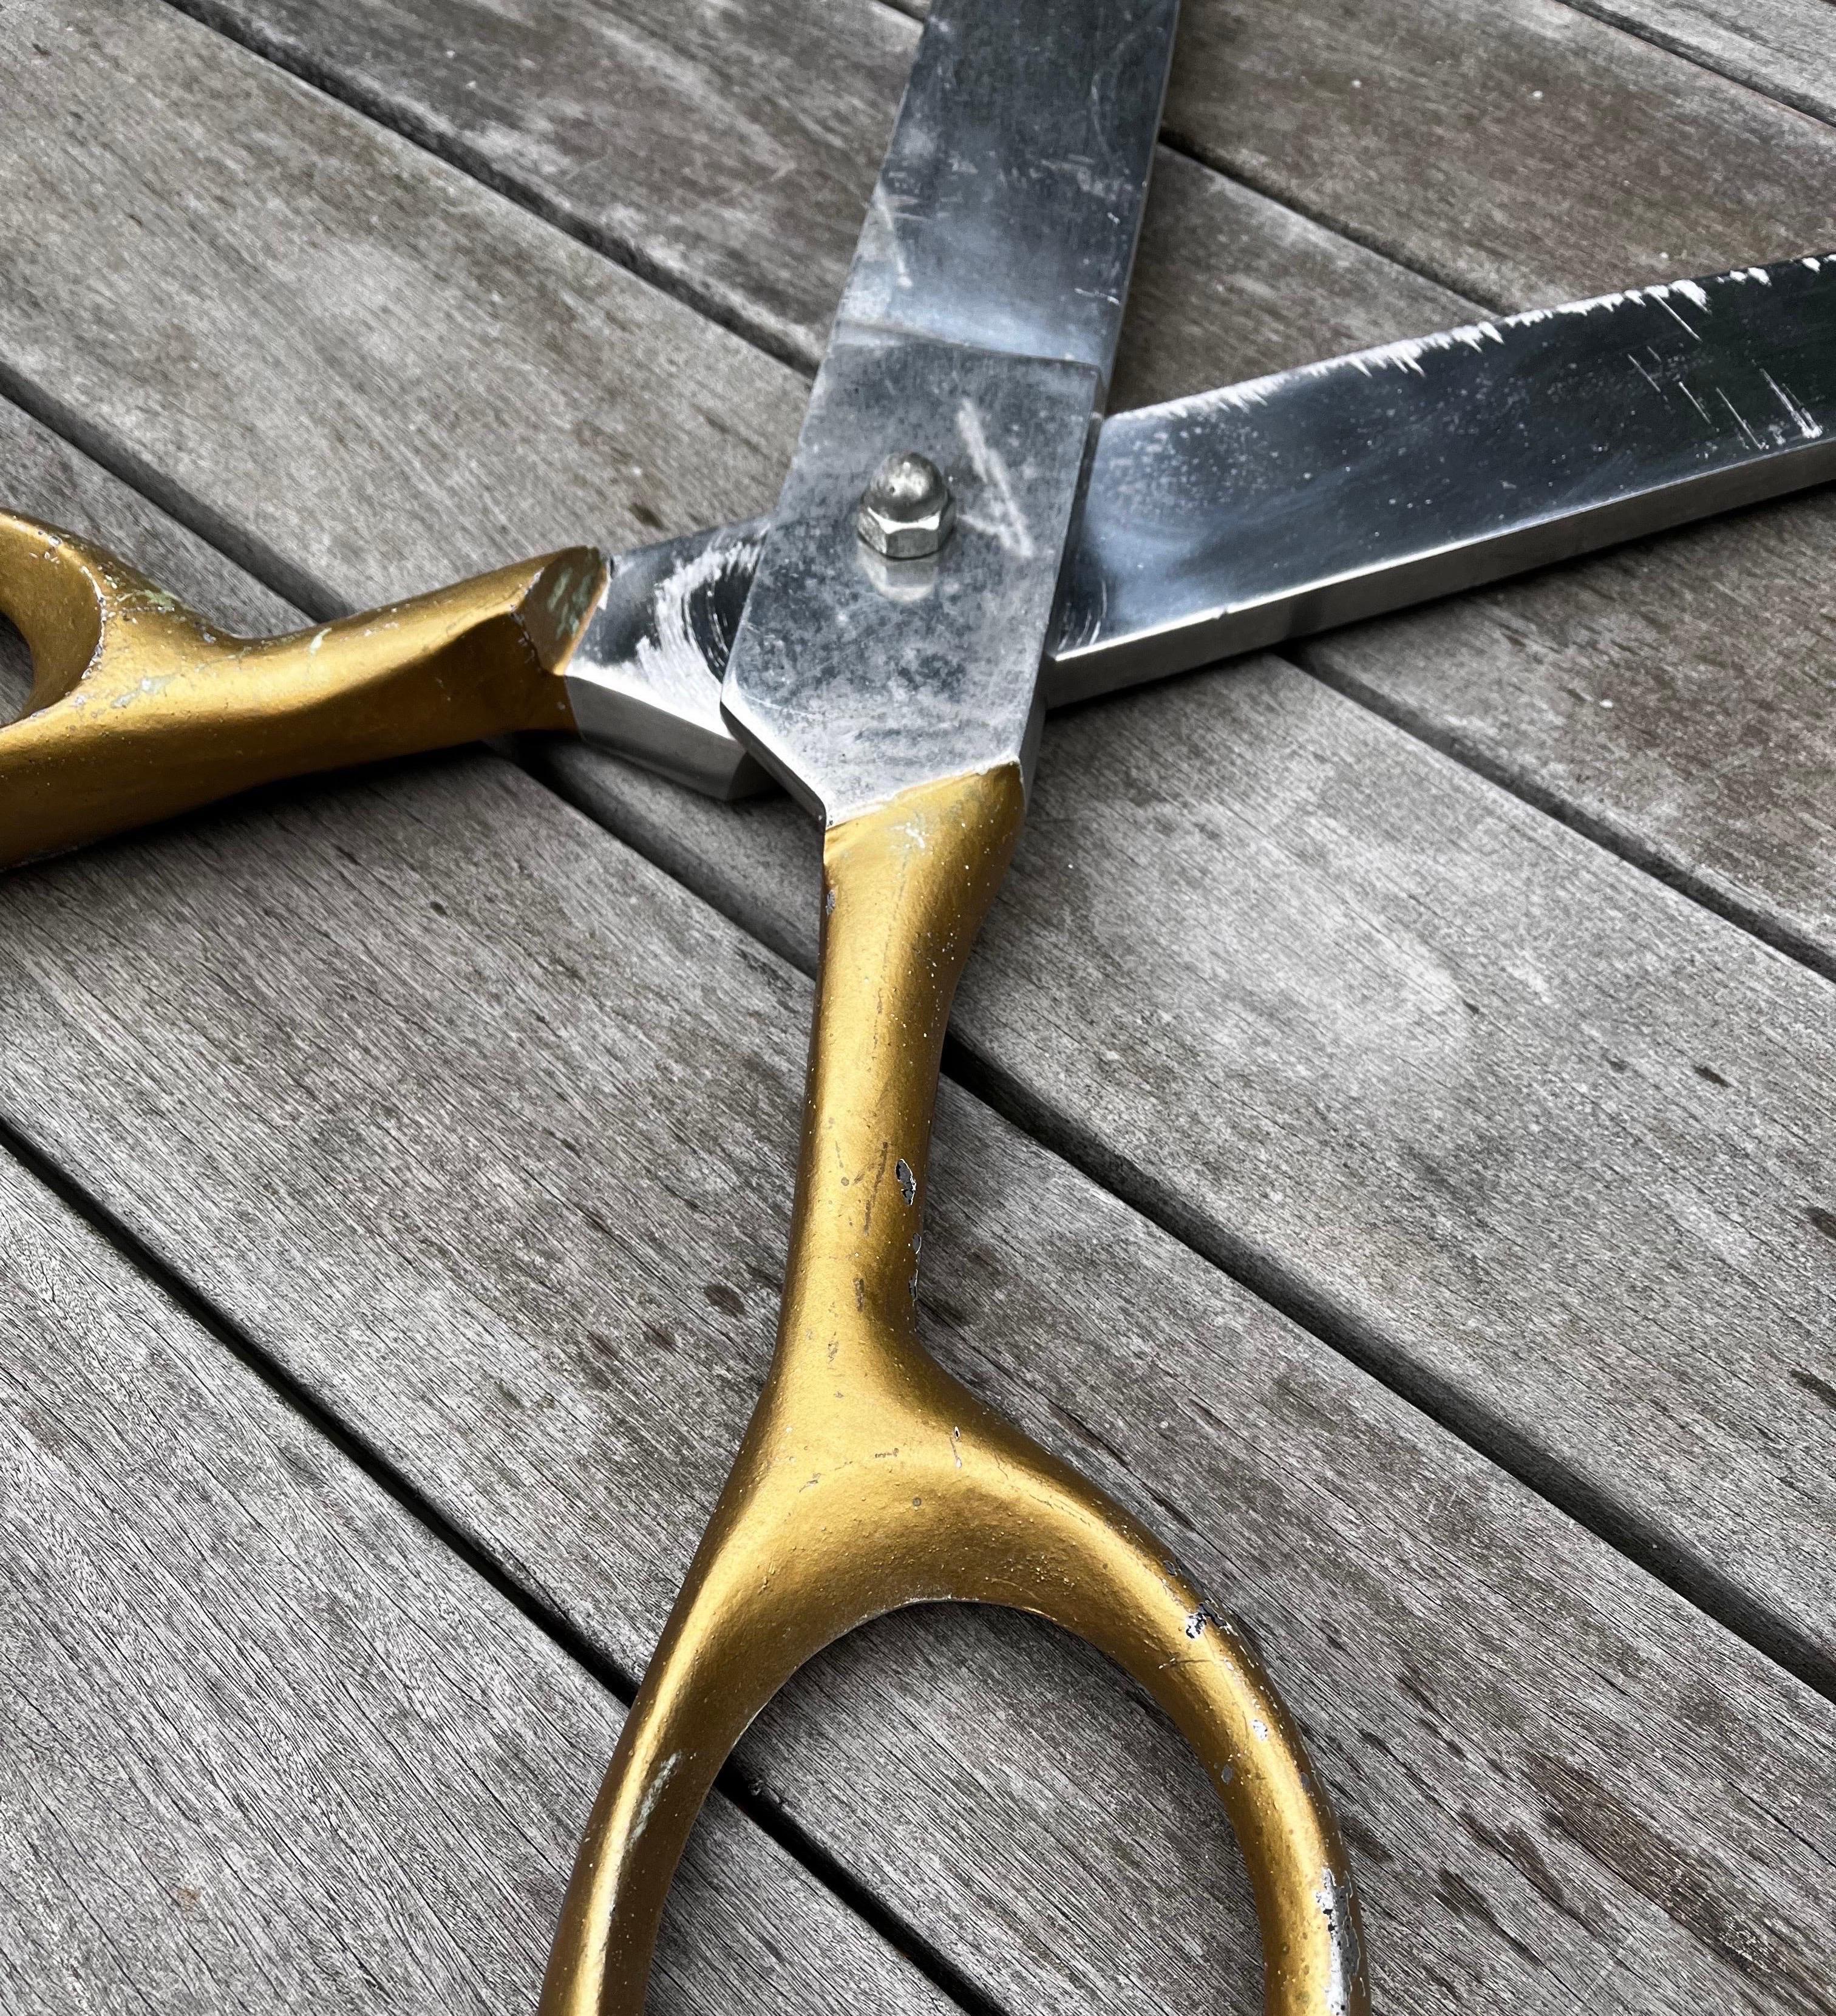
x,y
15,674
1023,1806
51,603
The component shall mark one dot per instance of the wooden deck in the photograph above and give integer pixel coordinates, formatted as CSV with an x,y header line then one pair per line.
x,y
1391,1131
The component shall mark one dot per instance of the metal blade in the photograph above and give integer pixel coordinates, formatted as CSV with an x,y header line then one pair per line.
x,y
977,330
1270,509
645,680
1233,521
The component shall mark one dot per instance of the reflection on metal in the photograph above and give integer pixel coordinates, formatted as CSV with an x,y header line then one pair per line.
x,y
898,696
976,330
1213,525
894,681
848,692
1228,521
139,709
1272,509
907,511
640,682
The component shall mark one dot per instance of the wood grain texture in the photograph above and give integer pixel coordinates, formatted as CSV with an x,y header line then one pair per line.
x,y
731,151
729,154
1520,151
1677,698
265,1744
384,1105
1673,700
1360,1151
1542,1141
484,1126
1782,48
1712,765
315,297
733,147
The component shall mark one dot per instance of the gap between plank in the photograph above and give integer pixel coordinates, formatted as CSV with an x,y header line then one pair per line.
x,y
452,149
274,569
1696,1581
751,1800
276,572
294,585
1492,308
1597,828
1775,93
254,556
1602,11
1194,150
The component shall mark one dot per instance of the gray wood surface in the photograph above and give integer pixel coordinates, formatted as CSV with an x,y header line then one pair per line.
x,y
729,151
1676,699
1782,48
265,1743
1524,153
1548,1146
1517,150
1325,1119
317,298
483,1127
754,220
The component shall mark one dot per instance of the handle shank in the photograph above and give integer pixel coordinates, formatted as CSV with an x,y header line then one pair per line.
x,y
869,1478
139,709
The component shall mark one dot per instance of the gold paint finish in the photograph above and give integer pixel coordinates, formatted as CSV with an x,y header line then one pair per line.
x,y
869,1478
140,710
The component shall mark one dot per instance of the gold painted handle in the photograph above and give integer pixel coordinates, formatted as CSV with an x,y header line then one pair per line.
x,y
140,710
869,1478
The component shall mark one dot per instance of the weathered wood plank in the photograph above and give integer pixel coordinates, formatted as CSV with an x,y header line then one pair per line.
x,y
1476,145
267,259
731,150
733,165
483,1128
264,1743
1350,1208
1675,698
1666,700
1521,152
1231,283
1512,684
1784,48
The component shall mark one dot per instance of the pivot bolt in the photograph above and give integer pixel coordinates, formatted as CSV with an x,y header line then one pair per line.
x,y
907,511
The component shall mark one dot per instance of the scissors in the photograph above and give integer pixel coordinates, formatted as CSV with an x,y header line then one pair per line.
x,y
962,541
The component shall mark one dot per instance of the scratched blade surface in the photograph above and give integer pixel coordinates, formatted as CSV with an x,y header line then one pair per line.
x,y
645,679
1267,510
1228,521
977,327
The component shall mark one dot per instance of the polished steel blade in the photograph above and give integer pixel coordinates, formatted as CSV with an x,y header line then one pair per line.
x,y
1234,520
1268,510
977,330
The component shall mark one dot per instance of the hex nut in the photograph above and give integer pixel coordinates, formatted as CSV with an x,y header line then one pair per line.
x,y
907,511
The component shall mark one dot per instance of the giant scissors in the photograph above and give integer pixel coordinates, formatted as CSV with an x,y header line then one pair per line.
x,y
962,542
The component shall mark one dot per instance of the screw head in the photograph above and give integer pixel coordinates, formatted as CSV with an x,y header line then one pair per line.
x,y
907,511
